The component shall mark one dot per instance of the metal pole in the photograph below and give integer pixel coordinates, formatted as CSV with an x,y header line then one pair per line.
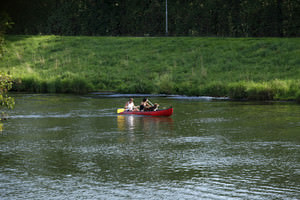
x,y
166,17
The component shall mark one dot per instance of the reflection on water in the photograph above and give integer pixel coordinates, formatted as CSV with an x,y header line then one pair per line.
x,y
145,123
75,147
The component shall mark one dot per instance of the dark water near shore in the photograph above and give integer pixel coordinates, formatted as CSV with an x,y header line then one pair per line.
x,y
77,147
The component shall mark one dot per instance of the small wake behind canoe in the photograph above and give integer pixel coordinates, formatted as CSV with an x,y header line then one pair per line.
x,y
165,112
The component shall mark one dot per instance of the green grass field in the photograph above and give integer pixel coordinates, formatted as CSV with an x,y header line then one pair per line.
x,y
251,68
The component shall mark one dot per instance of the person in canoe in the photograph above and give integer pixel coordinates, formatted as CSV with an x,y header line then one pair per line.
x,y
146,105
129,106
154,107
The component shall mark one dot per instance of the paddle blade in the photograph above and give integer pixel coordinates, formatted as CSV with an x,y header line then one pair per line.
x,y
120,110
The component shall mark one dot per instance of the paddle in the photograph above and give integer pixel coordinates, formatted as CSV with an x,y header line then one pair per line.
x,y
120,110
150,102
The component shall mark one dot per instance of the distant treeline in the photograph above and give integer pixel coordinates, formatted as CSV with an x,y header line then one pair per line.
x,y
230,18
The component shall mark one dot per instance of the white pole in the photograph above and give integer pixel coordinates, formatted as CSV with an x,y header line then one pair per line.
x,y
166,17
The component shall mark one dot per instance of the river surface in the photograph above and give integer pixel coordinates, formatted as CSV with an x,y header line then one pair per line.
x,y
77,147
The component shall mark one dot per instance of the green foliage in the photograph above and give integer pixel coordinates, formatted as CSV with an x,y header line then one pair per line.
x,y
298,96
260,91
241,18
164,84
215,89
237,91
139,86
5,80
5,86
71,84
280,88
5,23
275,89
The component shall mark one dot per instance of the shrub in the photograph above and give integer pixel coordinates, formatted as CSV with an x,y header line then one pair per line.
x,y
80,85
237,90
143,86
294,88
6,85
215,89
52,85
298,96
183,88
69,84
65,86
27,84
165,84
280,88
260,91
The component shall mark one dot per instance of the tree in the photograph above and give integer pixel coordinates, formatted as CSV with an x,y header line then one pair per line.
x,y
5,100
234,18
5,85
5,80
5,23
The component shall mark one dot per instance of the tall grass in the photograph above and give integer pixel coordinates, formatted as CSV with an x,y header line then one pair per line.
x,y
242,68
298,96
73,84
272,90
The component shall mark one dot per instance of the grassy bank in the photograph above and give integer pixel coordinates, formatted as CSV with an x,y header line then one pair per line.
x,y
251,68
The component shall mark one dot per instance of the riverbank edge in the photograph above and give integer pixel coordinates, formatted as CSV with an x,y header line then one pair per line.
x,y
277,90
113,94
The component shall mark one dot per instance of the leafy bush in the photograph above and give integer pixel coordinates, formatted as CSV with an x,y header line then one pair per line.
x,y
237,91
215,89
259,91
164,84
298,96
183,88
6,85
80,85
71,84
294,88
280,88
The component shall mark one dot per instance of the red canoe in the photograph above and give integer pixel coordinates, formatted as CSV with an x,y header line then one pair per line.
x,y
166,112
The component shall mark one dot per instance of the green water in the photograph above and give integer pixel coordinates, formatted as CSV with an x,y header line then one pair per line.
x,y
76,147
